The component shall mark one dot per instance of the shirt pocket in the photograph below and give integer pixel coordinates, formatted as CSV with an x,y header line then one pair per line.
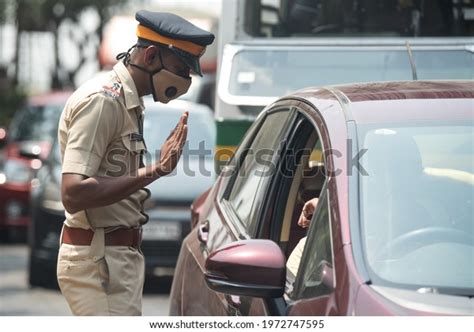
x,y
134,148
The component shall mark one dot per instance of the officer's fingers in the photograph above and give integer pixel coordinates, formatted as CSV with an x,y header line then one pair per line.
x,y
181,141
184,117
167,148
183,136
179,128
176,142
174,157
169,160
183,120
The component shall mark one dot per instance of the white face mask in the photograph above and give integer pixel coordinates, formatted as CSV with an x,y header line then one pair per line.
x,y
175,85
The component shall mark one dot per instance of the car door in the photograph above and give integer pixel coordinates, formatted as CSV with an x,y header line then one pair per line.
x,y
263,202
234,213
312,291
304,174
314,287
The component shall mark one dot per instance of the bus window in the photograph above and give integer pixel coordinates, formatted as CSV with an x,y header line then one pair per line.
x,y
365,18
277,72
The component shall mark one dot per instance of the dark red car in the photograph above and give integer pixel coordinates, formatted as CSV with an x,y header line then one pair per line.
x,y
392,233
27,145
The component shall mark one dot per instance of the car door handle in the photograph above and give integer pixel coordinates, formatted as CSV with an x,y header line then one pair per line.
x,y
203,231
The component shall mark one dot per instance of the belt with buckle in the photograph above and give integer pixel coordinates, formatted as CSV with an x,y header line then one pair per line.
x,y
127,237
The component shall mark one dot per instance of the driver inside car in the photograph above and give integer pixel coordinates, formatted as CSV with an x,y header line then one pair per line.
x,y
293,262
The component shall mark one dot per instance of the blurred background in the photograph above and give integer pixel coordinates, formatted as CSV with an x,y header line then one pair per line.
x,y
264,49
47,49
48,45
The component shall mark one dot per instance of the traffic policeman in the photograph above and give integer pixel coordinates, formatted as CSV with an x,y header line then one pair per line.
x,y
100,266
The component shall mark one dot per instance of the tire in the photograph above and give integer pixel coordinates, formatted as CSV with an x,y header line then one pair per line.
x,y
41,275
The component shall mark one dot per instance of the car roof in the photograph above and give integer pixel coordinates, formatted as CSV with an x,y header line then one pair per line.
x,y
395,90
388,101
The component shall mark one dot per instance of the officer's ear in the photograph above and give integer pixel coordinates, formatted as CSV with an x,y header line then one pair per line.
x,y
151,57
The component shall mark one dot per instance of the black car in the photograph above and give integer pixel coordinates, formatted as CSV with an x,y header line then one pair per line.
x,y
47,217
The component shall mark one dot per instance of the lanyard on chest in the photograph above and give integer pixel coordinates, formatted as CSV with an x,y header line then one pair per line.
x,y
140,137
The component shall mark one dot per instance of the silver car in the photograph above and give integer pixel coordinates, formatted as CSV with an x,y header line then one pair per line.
x,y
168,207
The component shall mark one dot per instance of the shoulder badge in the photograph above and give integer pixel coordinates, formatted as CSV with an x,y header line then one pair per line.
x,y
113,91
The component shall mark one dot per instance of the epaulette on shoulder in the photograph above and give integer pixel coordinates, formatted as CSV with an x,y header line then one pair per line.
x,y
114,90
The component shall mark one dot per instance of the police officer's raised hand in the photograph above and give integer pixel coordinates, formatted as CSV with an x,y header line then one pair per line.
x,y
171,150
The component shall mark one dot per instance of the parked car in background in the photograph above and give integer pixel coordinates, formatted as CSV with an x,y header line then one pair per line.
x,y
168,207
47,217
392,233
29,140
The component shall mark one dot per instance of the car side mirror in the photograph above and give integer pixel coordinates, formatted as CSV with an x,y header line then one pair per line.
x,y
253,268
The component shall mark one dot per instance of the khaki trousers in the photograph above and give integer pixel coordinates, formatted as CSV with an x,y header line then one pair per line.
x,y
110,283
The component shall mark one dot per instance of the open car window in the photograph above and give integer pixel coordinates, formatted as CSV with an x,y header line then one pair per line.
x,y
316,265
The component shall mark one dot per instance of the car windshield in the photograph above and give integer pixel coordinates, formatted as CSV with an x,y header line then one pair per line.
x,y
201,131
265,73
417,204
36,123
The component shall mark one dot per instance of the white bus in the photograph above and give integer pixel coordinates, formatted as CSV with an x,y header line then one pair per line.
x,y
269,48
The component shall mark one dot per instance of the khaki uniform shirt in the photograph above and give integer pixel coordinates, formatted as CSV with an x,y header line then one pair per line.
x,y
99,136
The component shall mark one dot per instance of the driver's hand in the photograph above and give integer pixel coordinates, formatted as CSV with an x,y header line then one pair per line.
x,y
171,150
307,213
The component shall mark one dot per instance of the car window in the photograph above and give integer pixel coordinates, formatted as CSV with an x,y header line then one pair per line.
x,y
201,131
317,259
255,168
36,123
